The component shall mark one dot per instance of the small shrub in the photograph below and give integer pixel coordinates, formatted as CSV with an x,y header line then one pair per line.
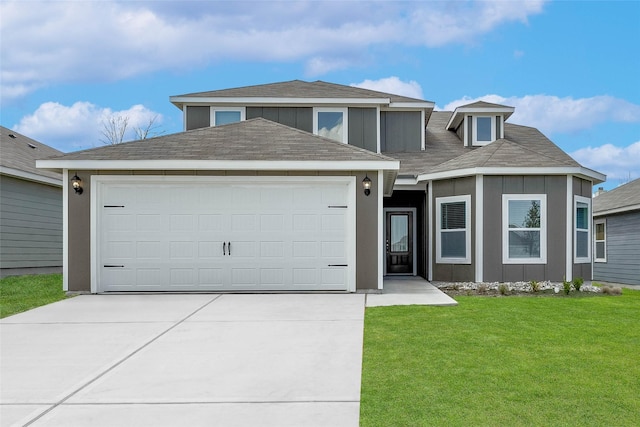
x,y
606,290
468,292
535,286
616,290
566,286
577,283
482,288
503,289
456,287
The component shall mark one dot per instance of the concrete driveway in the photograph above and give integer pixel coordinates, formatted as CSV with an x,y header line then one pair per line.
x,y
167,360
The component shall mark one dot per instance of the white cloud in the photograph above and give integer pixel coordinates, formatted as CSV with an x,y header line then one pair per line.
x,y
79,126
618,163
393,85
104,41
552,114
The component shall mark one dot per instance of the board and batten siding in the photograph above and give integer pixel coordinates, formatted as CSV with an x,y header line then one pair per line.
x,y
454,187
623,250
555,187
400,131
30,224
295,117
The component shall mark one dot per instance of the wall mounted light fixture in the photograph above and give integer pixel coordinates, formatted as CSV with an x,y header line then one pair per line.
x,y
76,183
366,184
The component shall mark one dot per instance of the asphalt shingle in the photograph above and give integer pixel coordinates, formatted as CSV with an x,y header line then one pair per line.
x,y
626,195
20,153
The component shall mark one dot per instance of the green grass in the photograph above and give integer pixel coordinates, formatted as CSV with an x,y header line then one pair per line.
x,y
22,293
504,362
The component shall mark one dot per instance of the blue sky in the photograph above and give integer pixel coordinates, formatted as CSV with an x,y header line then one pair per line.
x,y
570,68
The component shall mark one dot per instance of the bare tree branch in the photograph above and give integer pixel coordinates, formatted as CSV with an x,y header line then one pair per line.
x,y
148,131
113,129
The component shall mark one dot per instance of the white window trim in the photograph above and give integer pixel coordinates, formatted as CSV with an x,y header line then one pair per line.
x,y
587,201
474,139
212,119
345,120
453,199
505,228
595,240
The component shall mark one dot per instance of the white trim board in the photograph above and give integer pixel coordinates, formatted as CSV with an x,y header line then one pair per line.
x,y
30,176
243,165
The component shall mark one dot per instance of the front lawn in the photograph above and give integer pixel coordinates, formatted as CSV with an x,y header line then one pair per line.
x,y
504,362
22,293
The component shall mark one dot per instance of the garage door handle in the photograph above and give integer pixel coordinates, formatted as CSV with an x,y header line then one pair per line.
x,y
224,248
229,248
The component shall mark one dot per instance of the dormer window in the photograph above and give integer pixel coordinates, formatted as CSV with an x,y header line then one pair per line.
x,y
479,123
484,130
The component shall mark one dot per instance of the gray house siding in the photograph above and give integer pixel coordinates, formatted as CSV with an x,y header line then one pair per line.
x,y
454,187
555,189
400,131
362,128
30,224
79,272
198,117
581,187
295,117
622,250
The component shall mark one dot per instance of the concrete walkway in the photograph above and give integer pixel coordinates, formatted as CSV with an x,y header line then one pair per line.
x,y
191,360
408,290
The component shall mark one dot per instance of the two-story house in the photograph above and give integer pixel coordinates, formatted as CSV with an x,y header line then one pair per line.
x,y
318,186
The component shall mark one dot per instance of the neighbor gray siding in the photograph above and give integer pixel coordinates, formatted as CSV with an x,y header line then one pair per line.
x,y
623,250
555,187
198,117
30,224
295,117
400,131
454,187
363,128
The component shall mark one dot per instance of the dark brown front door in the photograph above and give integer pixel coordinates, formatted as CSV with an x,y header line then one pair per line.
x,y
399,241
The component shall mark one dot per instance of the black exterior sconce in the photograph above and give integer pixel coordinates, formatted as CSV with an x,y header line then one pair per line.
x,y
366,184
76,183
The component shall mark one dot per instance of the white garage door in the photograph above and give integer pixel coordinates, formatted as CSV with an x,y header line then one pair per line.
x,y
206,234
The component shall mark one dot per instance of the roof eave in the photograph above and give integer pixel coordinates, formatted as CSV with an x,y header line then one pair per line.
x,y
29,176
262,165
180,101
622,209
579,171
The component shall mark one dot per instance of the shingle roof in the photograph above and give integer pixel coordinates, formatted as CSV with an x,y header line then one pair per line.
x,y
483,104
255,139
20,153
300,89
625,197
522,146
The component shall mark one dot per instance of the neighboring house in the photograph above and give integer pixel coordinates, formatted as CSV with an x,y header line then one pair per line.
x,y
30,208
319,186
616,225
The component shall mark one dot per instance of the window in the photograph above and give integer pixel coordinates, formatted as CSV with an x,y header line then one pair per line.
x,y
222,116
453,230
524,228
331,123
582,229
601,240
483,132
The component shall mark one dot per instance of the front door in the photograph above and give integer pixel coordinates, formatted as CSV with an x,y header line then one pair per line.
x,y
399,242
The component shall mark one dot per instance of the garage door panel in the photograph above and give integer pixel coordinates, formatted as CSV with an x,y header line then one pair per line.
x,y
281,236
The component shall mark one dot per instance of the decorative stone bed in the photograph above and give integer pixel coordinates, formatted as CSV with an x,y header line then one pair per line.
x,y
518,288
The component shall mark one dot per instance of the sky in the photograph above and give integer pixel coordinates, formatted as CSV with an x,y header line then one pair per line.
x,y
570,68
